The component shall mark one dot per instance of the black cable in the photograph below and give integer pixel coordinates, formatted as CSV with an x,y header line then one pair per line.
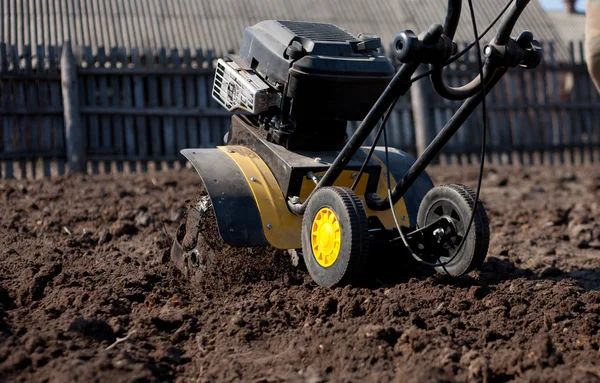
x,y
484,133
483,147
370,154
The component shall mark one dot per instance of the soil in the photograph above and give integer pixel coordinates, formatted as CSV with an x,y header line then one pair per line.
x,y
88,293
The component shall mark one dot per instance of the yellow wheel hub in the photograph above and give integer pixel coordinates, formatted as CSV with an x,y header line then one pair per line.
x,y
326,237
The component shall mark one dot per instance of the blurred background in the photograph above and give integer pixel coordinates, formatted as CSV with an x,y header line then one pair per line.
x,y
125,85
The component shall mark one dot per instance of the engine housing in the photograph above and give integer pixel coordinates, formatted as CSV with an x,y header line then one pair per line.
x,y
319,77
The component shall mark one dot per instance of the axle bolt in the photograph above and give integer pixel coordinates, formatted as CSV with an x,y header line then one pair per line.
x,y
269,226
439,233
252,179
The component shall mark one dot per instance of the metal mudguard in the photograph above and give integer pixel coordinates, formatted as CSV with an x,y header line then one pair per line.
x,y
400,163
236,211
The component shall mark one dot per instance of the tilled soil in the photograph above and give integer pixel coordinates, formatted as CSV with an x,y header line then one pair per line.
x,y
88,293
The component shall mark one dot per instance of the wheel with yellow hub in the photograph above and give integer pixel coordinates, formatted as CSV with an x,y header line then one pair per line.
x,y
335,237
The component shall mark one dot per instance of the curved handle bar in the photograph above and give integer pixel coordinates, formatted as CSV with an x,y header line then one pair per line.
x,y
502,37
452,17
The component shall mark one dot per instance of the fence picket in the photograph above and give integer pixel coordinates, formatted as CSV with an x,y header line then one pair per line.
x,y
57,122
118,134
169,129
105,121
30,134
190,102
44,127
586,90
91,122
130,136
179,101
155,129
140,121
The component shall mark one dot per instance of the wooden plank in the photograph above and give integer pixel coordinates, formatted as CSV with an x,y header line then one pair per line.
x,y
56,123
575,118
8,146
32,123
19,125
166,100
144,71
117,121
74,134
544,77
127,97
3,59
528,121
191,102
588,114
534,87
4,100
506,133
515,122
421,95
105,120
179,100
153,102
173,111
91,123
559,116
140,121
44,131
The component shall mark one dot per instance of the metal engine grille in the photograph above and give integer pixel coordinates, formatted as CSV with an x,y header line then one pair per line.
x,y
318,31
237,89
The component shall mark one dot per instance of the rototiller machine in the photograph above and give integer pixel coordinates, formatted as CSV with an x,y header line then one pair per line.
x,y
289,176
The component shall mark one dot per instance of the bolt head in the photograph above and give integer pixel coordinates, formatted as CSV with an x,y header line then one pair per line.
x,y
269,226
252,179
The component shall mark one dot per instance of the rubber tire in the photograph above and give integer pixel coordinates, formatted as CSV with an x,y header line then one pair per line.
x,y
349,268
474,250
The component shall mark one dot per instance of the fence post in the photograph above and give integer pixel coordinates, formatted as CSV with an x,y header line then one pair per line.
x,y
421,96
73,131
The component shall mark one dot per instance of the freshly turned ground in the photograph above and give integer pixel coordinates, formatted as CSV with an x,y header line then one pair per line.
x,y
84,262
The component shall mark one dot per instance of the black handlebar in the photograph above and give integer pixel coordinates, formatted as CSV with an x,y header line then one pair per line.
x,y
502,38
436,42
452,17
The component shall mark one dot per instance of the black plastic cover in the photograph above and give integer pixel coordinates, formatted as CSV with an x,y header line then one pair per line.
x,y
328,71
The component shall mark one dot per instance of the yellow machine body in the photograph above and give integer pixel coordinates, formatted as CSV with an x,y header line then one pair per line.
x,y
281,228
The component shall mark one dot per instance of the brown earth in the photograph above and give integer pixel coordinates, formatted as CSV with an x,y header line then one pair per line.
x,y
84,264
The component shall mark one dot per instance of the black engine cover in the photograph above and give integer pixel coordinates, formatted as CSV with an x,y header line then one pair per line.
x,y
324,72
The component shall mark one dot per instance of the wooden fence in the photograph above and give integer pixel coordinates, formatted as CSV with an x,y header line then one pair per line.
x,y
114,111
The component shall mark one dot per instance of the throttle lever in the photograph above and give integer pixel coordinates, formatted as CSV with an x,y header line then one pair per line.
x,y
523,51
533,56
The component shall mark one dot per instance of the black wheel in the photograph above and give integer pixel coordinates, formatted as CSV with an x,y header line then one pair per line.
x,y
456,203
335,237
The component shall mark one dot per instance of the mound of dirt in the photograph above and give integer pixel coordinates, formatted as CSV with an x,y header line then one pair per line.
x,y
222,267
88,292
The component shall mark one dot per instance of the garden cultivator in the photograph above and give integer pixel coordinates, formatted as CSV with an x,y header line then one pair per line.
x,y
289,176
